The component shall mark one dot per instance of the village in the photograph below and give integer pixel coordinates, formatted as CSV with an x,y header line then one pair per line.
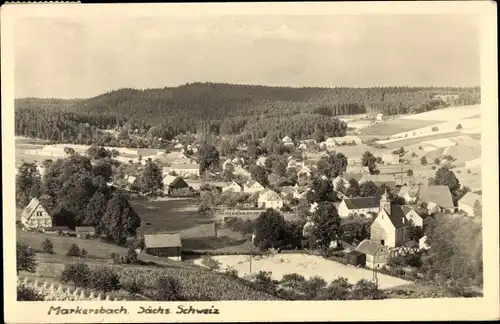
x,y
384,197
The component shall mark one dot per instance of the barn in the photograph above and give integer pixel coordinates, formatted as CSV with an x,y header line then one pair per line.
x,y
35,216
166,245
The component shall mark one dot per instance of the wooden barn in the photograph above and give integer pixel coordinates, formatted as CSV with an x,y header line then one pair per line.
x,y
176,186
167,245
35,216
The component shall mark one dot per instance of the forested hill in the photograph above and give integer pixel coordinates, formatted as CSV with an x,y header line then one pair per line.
x,y
227,108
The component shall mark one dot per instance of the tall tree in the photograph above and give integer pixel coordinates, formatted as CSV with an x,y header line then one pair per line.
x,y
259,174
326,224
120,220
28,184
209,157
369,189
25,258
270,229
353,189
152,179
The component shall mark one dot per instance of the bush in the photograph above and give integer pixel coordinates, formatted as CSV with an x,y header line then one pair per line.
x,y
115,258
423,160
47,246
264,282
83,253
211,263
26,293
77,273
433,167
435,129
166,288
437,161
104,279
74,250
459,126
131,256
25,258
134,285
230,271
468,171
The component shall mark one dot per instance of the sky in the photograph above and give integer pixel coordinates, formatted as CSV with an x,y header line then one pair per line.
x,y
82,57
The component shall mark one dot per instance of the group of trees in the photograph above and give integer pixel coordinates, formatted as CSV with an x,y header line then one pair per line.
x,y
75,193
446,177
142,116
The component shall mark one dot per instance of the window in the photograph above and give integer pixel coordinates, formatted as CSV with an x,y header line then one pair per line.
x,y
39,213
382,242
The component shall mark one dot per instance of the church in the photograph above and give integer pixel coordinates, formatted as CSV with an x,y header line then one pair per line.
x,y
390,227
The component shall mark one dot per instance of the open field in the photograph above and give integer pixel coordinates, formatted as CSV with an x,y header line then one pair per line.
x,y
395,126
446,114
305,265
397,143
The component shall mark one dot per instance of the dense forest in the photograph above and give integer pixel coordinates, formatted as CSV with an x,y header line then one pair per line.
x,y
222,109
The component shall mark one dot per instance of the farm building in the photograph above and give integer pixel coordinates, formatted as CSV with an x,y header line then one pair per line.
x,y
468,203
379,179
438,198
35,216
356,258
270,199
186,169
413,216
409,193
252,186
84,231
390,227
362,205
175,186
164,245
232,187
57,230
377,255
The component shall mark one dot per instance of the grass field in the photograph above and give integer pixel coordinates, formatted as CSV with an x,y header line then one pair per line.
x,y
305,265
412,141
396,126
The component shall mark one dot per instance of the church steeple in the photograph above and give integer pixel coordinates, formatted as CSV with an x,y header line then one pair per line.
x,y
385,202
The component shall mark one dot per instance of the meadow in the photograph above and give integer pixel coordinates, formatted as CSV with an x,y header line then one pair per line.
x,y
395,126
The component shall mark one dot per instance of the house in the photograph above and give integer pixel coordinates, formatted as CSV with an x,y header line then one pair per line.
x,y
409,193
288,191
301,194
84,231
438,198
329,144
379,179
164,245
292,164
261,161
237,161
422,243
390,158
412,216
57,230
361,205
232,187
468,203
380,117
377,255
390,227
303,147
304,174
186,169
240,171
270,199
178,146
287,141
175,186
252,186
195,185
131,180
35,216
228,164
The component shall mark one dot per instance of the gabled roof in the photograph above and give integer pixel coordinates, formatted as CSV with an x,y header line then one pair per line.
x,y
288,190
469,199
162,240
378,178
362,202
397,216
270,195
251,183
412,191
30,209
167,180
369,247
440,195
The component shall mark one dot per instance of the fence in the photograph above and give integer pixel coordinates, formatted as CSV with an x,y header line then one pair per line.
x,y
64,293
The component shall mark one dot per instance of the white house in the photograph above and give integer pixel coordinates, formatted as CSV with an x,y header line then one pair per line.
x,y
287,141
35,215
303,147
232,187
240,171
361,205
228,164
186,169
422,243
409,193
390,227
340,183
377,255
380,117
413,216
252,186
270,199
261,161
468,203
292,164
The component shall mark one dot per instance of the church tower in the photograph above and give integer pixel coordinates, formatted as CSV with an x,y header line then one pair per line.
x,y
385,202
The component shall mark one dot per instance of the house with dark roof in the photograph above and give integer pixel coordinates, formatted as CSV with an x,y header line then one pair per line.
x,y
175,186
379,179
35,216
468,203
437,198
413,216
361,205
390,227
377,255
164,245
